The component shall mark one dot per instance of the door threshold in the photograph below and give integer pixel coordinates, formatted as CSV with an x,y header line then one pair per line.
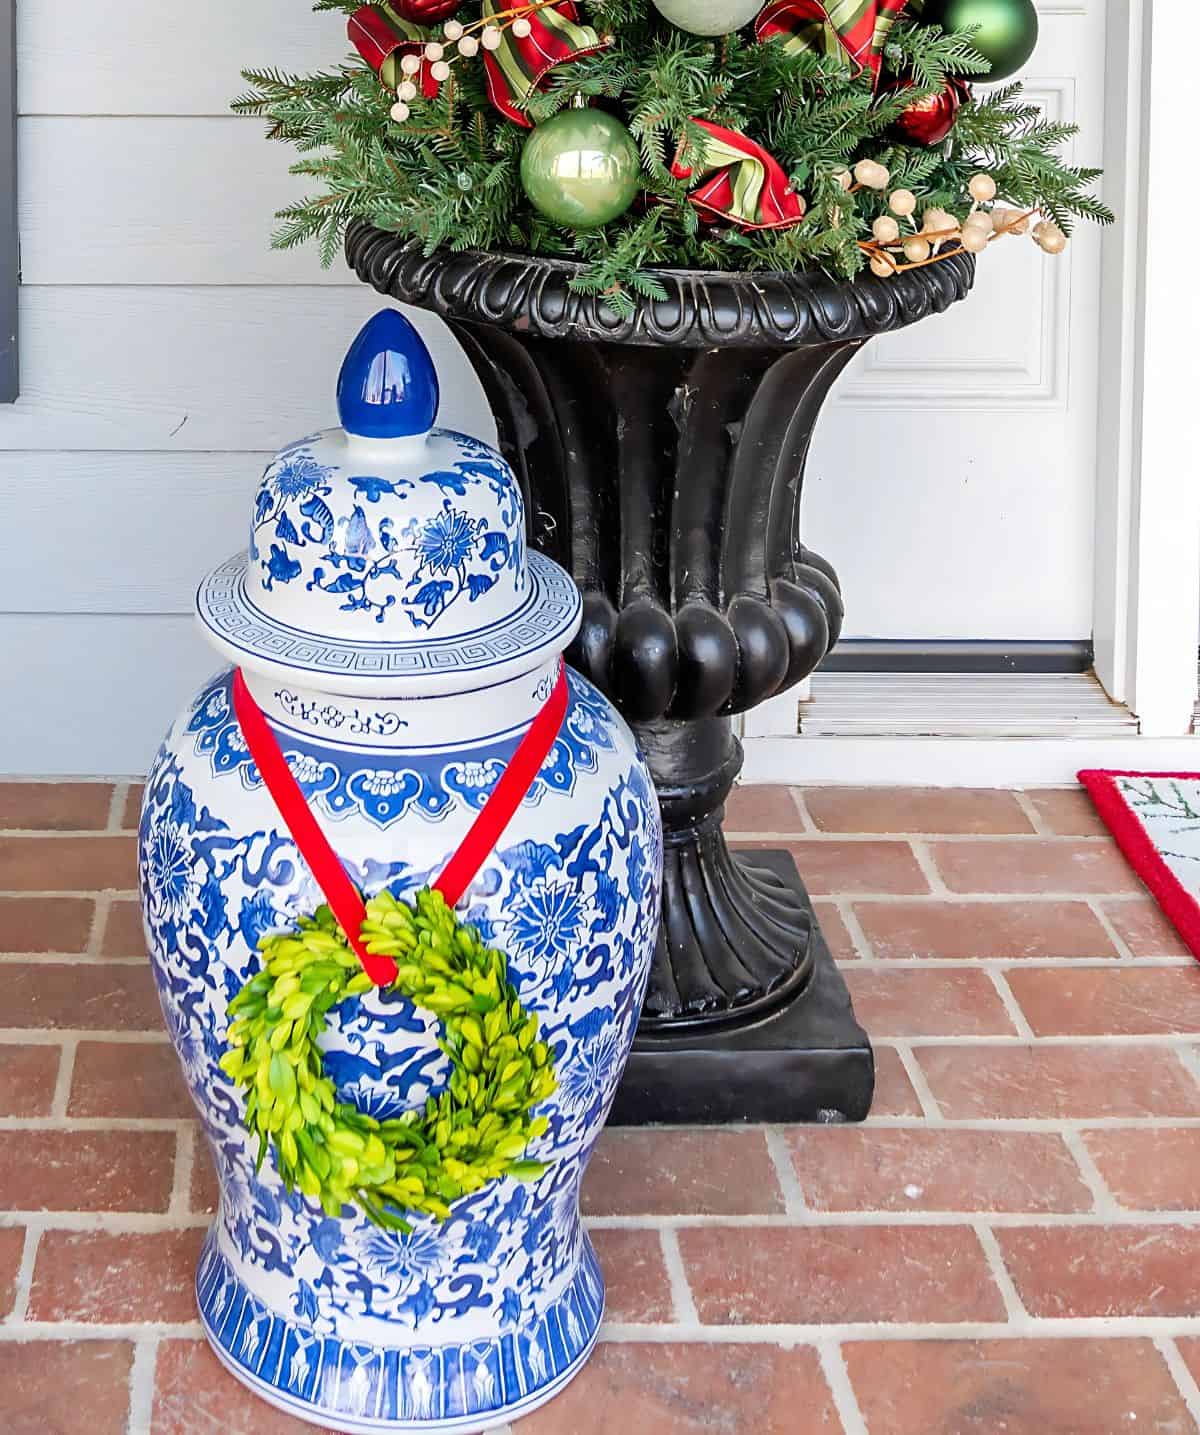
x,y
962,705
957,729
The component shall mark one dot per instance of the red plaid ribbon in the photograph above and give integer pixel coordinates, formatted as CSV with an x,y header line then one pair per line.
x,y
520,65
381,37
740,181
856,30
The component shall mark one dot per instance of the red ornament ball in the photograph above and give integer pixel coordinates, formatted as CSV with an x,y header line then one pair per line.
x,y
425,12
929,120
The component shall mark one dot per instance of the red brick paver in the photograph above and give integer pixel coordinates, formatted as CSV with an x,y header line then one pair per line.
x,y
692,1390
926,810
55,1388
12,1247
1013,866
956,1001
1152,1170
55,806
965,929
1032,1155
1105,1270
869,1169
778,1275
665,1173
67,864
1059,1082
86,1170
108,1279
193,1393
1014,1387
1121,1002
28,1076
128,1079
34,925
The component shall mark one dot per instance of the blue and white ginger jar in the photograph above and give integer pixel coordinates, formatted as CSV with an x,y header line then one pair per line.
x,y
400,639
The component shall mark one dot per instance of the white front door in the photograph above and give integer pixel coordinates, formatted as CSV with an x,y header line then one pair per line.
x,y
952,478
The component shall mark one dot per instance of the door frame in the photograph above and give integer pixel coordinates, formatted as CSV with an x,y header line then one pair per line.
x,y
1147,537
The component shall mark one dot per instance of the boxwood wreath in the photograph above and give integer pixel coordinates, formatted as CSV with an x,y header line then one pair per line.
x,y
475,1132
837,135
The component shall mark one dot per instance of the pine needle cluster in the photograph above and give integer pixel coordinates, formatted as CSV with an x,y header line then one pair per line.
x,y
450,176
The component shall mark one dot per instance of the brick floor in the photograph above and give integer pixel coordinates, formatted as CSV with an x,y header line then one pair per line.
x,y
1009,1246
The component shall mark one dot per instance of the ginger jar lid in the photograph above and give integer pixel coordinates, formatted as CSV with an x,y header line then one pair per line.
x,y
388,556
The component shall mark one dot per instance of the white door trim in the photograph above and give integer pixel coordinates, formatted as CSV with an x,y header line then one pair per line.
x,y
1147,585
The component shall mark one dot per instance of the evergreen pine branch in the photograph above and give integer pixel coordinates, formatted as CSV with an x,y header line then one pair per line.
x,y
449,177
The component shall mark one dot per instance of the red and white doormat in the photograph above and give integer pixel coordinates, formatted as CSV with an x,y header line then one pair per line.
x,y
1155,817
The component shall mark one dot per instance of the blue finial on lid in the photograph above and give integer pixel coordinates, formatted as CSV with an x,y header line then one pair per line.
x,y
388,386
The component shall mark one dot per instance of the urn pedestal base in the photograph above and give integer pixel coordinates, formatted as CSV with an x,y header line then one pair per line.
x,y
662,452
808,1060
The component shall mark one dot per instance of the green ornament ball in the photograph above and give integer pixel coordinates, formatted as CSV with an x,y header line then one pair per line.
x,y
1007,30
581,168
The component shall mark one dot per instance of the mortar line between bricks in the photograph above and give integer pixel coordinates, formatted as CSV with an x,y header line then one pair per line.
x,y
99,922
809,1219
1010,1004
862,943
842,904
1180,1373
116,807
1189,1058
1017,964
55,1035
115,1223
785,1171
94,1123
1036,820
845,1402
914,1123
65,779
141,1385
51,894
973,839
929,869
76,1330
683,1304
1034,1327
79,959
800,803
62,1083
1166,1040
1034,1123
24,1281
185,1160
1123,949
1041,895
929,1107
1182,1040
153,1222
1013,1307
1105,1202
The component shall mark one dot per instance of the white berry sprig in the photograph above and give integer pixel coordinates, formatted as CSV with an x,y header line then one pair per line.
x,y
891,251
462,42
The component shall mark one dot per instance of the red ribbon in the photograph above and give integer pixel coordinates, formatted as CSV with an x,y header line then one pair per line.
x,y
344,898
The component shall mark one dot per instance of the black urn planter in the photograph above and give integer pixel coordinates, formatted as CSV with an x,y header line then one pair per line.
x,y
662,457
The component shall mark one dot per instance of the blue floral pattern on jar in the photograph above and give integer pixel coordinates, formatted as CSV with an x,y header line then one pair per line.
x,y
489,1310
387,549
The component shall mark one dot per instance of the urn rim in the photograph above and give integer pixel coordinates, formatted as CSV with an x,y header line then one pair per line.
x,y
523,641
529,295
